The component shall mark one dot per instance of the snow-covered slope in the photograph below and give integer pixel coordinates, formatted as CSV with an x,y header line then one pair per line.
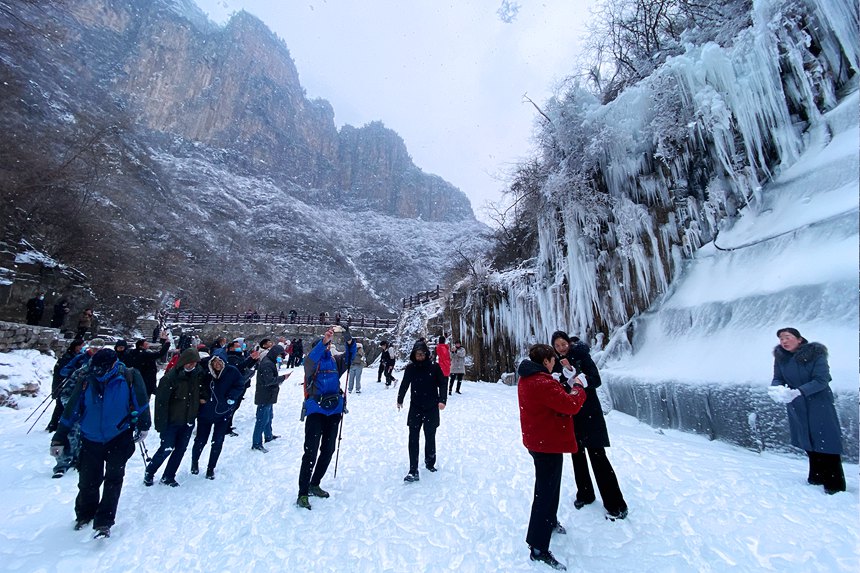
x,y
695,505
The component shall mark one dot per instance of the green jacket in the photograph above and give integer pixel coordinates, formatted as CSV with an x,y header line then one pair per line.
x,y
177,398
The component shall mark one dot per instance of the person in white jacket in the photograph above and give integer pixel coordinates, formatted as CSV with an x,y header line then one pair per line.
x,y
458,366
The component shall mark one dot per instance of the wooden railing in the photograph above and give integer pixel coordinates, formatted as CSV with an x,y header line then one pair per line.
x,y
420,298
245,318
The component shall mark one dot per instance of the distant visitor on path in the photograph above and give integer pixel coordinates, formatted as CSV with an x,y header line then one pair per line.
x,y
458,366
85,322
801,380
547,426
61,309
592,437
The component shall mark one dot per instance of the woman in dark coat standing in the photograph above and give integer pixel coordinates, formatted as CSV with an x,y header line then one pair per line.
x,y
591,433
801,380
426,400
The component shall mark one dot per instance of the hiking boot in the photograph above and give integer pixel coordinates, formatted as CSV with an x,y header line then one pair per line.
x,y
233,433
169,481
303,502
195,469
317,491
432,469
613,515
579,504
559,528
546,557
260,448
148,479
411,477
51,428
449,392
210,473
81,523
272,439
358,391
102,533
457,391
59,473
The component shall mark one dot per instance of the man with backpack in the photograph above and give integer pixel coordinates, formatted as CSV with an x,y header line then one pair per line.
x,y
111,404
322,412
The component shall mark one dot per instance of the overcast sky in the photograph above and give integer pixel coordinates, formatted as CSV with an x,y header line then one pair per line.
x,y
449,77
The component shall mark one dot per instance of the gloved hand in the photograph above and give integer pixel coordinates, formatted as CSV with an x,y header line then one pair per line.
x,y
782,394
230,402
581,380
57,450
556,376
140,435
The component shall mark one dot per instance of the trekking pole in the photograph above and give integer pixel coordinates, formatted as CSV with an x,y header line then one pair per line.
x,y
144,453
42,403
45,409
340,424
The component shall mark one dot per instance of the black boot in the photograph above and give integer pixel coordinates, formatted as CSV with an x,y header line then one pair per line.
x,y
546,557
210,473
195,469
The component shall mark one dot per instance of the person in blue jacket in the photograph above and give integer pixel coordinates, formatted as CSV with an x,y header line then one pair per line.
x,y
220,389
801,380
322,410
111,403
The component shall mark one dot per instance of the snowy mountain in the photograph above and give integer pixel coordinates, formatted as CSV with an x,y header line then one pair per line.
x,y
164,156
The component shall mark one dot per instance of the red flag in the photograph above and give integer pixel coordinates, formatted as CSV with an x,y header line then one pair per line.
x,y
176,303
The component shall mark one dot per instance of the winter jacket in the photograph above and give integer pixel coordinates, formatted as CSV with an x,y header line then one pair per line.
x,y
177,399
458,361
812,418
358,360
322,379
443,357
428,388
216,389
268,381
61,309
546,410
145,361
387,358
104,407
35,309
75,363
590,424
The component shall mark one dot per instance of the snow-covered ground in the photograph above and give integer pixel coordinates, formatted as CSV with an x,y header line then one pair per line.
x,y
695,505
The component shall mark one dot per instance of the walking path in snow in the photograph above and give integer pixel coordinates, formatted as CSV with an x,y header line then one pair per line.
x,y
695,505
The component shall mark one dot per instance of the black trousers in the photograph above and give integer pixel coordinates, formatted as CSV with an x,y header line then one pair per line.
x,y
101,463
219,429
56,414
174,442
458,378
320,442
380,371
429,444
544,514
826,470
607,483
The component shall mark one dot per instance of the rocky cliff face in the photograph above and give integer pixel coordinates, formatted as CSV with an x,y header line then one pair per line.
x,y
237,88
164,156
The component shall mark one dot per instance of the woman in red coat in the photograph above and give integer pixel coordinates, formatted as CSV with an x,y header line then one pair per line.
x,y
546,411
443,356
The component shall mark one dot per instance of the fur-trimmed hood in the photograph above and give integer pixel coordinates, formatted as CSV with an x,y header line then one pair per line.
x,y
805,353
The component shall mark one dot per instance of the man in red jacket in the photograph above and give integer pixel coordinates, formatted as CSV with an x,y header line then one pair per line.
x,y
546,411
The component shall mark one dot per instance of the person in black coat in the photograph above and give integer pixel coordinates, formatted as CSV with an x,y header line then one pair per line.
x,y
591,434
35,309
145,360
58,380
266,396
61,309
427,398
219,391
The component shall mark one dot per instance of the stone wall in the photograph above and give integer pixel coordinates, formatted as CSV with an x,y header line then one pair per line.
x,y
741,415
14,336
